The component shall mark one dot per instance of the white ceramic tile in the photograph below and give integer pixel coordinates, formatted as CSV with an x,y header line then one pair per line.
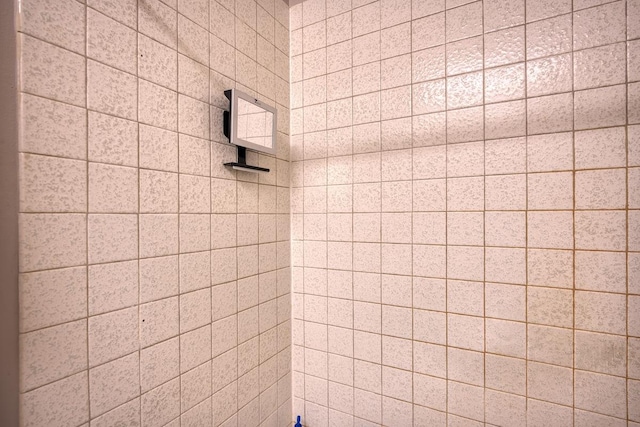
x,y
110,42
52,72
61,23
504,47
64,243
501,14
121,375
599,25
50,184
549,37
112,335
53,128
107,294
112,140
464,21
125,12
111,91
428,32
44,364
58,403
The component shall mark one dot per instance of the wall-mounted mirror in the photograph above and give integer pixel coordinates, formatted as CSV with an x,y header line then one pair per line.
x,y
250,123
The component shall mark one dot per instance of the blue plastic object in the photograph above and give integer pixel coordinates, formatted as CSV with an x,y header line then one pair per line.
x,y
298,422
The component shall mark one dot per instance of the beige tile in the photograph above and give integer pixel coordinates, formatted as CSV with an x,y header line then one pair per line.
x,y
197,11
505,119
599,25
550,345
162,404
114,383
52,353
504,47
550,268
121,414
465,125
549,37
159,192
499,15
195,348
465,400
112,140
110,42
195,386
52,72
601,189
157,62
465,21
465,332
549,306
553,230
600,393
552,113
600,353
550,75
61,23
112,238
59,403
158,22
505,374
600,312
112,335
194,194
600,107
50,184
159,363
195,309
52,241
52,128
159,235
52,297
462,56
194,232
112,286
506,338
600,230
111,91
602,66
503,408
506,229
158,321
125,11
505,301
158,149
550,383
545,9
550,191
428,31
600,271
464,365
600,148
539,412
506,265
504,192
552,152
112,189
157,106
193,78
158,278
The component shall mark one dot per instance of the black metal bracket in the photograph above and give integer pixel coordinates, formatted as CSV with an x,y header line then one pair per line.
x,y
242,165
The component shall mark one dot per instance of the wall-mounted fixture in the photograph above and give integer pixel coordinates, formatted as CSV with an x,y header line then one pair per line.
x,y
249,124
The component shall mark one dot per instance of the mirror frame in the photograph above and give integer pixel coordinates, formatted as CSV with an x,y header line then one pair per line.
x,y
233,95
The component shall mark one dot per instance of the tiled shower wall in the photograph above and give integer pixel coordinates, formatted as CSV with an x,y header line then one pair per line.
x,y
154,286
465,217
